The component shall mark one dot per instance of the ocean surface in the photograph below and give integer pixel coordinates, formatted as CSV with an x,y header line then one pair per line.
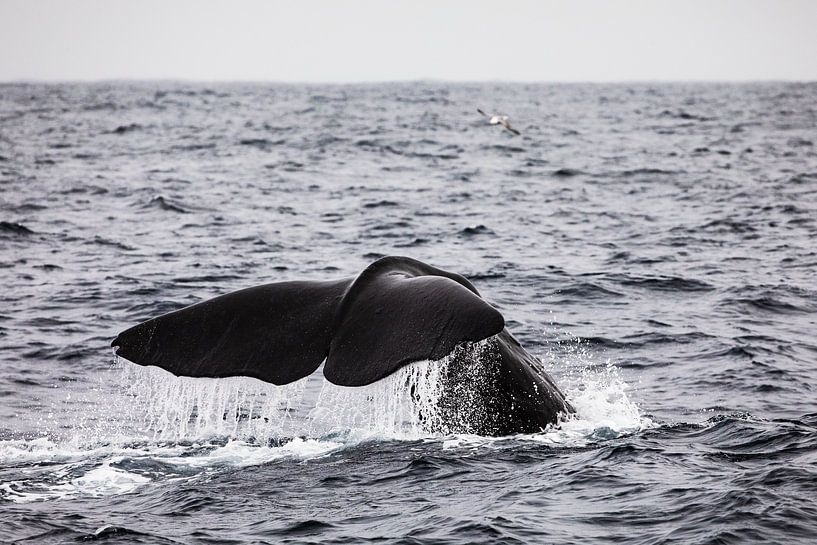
x,y
654,245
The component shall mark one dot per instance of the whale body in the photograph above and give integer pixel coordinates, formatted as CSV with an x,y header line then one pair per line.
x,y
396,312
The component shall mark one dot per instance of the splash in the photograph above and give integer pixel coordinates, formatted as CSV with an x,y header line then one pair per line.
x,y
158,407
156,427
596,390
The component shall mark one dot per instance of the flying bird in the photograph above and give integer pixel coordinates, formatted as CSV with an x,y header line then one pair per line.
x,y
500,120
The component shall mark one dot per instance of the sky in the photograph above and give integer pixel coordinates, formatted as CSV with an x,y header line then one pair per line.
x,y
391,40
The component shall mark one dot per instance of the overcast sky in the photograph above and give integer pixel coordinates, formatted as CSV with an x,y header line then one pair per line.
x,y
348,41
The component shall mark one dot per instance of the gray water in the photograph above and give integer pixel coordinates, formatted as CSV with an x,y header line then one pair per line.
x,y
654,245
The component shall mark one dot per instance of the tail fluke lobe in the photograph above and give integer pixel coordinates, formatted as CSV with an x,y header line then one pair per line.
x,y
278,333
402,311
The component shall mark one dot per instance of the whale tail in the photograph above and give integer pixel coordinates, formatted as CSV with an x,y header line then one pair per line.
x,y
397,311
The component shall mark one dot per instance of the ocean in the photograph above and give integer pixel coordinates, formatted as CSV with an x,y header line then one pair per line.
x,y
654,245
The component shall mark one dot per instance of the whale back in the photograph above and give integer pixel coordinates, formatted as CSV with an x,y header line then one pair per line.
x,y
397,311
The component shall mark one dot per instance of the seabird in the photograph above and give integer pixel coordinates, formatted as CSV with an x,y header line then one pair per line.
x,y
500,120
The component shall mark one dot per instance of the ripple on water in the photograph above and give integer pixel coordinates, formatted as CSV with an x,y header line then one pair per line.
x,y
676,241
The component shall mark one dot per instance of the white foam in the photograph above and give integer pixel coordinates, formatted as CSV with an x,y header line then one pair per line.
x,y
106,481
241,454
103,480
93,472
45,450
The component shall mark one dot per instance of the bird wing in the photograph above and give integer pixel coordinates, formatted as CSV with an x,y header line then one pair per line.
x,y
508,127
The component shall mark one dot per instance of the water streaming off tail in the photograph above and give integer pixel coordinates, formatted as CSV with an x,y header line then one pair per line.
x,y
402,406
153,405
169,408
157,406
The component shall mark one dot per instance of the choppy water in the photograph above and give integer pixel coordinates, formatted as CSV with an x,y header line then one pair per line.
x,y
655,245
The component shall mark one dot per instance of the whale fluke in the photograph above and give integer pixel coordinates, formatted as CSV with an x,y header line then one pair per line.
x,y
397,311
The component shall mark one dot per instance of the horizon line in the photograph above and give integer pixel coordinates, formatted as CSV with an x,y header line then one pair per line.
x,y
638,81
